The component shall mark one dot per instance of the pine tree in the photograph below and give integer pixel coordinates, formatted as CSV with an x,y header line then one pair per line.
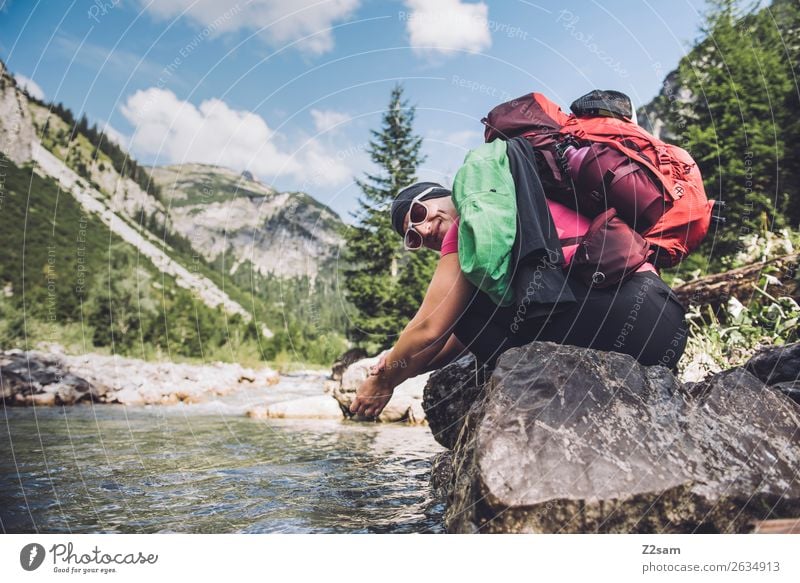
x,y
385,284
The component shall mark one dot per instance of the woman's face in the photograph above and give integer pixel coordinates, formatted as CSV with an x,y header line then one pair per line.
x,y
441,215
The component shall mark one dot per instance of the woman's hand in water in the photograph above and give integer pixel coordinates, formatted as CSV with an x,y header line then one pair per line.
x,y
372,396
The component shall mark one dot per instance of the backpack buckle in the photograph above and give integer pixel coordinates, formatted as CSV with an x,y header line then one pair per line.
x,y
664,161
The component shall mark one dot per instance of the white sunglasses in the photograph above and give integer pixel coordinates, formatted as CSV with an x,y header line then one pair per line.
x,y
412,240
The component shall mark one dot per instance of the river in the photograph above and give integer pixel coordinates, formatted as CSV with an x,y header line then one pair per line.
x,y
207,468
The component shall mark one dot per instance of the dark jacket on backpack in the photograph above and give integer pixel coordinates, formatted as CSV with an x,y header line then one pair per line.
x,y
538,281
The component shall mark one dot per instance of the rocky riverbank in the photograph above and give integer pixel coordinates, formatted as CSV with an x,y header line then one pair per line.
x,y
53,378
565,439
47,378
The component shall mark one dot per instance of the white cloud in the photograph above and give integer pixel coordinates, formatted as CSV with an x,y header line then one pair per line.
x,y
327,120
30,86
115,136
323,167
177,131
279,21
442,26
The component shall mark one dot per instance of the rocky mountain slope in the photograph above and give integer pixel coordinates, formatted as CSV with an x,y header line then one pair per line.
x,y
146,243
102,192
17,132
223,212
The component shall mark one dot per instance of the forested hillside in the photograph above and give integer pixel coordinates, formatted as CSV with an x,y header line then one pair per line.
x,y
734,103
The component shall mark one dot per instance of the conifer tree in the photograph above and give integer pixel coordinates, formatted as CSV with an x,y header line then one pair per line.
x,y
383,282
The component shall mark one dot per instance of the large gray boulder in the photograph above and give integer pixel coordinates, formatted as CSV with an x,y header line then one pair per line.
x,y
566,439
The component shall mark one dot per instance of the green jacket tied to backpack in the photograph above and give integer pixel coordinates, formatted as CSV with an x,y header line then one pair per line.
x,y
485,197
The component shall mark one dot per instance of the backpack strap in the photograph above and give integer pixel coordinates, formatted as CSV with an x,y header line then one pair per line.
x,y
621,173
552,163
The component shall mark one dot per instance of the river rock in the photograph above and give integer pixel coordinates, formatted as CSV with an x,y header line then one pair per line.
x,y
37,378
448,395
567,439
345,360
317,407
405,404
416,413
779,367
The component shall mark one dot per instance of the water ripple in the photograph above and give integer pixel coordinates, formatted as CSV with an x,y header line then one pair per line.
x,y
172,469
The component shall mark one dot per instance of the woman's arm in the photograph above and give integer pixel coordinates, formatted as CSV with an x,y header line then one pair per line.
x,y
422,339
451,351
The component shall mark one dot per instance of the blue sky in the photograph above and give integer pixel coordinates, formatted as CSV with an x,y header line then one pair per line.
x,y
289,89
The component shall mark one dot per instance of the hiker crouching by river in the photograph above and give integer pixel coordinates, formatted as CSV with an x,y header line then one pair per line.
x,y
640,317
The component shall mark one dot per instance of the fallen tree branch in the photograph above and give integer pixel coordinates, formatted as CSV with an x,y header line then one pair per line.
x,y
715,290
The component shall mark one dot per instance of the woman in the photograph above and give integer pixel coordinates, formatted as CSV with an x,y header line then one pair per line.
x,y
642,317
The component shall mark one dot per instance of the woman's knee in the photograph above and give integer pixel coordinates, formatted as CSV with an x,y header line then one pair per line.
x,y
666,329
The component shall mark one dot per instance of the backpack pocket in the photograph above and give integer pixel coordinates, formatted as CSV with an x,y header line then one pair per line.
x,y
609,253
608,178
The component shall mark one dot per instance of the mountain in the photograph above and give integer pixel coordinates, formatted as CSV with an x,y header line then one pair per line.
x,y
94,255
31,133
654,116
224,213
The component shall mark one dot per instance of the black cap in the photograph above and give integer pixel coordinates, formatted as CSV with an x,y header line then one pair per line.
x,y
402,203
614,102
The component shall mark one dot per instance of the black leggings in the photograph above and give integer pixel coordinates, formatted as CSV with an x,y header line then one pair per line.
x,y
642,317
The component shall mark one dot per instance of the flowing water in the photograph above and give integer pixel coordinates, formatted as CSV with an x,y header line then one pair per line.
x,y
209,468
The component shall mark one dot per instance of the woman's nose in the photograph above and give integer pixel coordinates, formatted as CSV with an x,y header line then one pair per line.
x,y
426,228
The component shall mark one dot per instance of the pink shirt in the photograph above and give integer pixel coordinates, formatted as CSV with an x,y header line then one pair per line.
x,y
450,241
568,224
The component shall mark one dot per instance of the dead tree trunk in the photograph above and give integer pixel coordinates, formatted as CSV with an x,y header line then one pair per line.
x,y
715,290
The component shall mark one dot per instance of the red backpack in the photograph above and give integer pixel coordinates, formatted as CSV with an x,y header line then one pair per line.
x,y
655,187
